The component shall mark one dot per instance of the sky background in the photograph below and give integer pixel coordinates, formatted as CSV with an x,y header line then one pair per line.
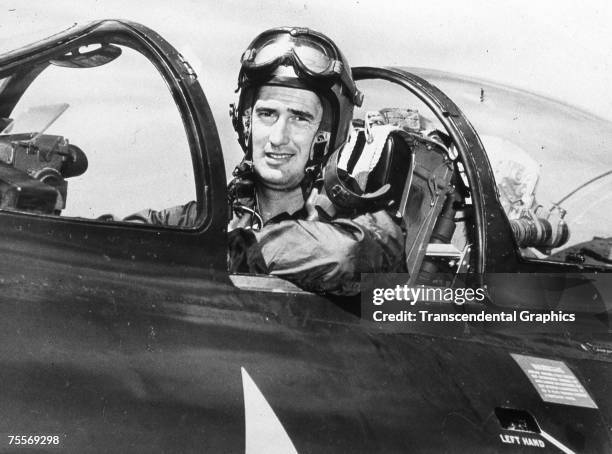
x,y
562,49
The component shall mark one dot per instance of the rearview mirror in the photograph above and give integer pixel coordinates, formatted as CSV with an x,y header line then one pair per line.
x,y
88,56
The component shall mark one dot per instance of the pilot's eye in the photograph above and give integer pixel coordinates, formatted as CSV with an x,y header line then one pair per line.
x,y
302,121
266,115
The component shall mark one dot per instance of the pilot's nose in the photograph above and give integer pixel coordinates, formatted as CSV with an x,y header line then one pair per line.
x,y
279,132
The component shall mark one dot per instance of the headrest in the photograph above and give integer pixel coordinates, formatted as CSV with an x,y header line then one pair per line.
x,y
370,171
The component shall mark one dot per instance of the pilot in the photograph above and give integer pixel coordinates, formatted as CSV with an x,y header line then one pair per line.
x,y
295,109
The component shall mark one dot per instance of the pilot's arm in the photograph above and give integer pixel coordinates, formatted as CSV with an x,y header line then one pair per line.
x,y
179,216
321,256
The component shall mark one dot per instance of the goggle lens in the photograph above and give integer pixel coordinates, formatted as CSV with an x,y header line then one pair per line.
x,y
313,55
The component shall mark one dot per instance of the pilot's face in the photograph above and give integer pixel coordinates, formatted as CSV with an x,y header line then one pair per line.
x,y
285,121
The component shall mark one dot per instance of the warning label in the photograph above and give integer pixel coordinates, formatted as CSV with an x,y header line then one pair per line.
x,y
554,381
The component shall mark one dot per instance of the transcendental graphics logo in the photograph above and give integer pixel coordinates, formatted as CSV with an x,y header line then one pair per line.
x,y
408,306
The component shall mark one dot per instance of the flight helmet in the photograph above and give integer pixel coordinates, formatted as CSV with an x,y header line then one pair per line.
x,y
317,65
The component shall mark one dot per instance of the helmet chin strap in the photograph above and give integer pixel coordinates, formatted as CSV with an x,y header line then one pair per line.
x,y
319,147
314,167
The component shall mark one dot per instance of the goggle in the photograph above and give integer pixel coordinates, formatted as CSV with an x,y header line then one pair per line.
x,y
312,55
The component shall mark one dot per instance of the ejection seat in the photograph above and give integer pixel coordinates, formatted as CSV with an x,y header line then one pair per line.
x,y
424,200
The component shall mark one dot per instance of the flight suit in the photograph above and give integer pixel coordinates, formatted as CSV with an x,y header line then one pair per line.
x,y
322,256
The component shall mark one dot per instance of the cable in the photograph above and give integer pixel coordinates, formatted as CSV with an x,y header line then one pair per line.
x,y
582,186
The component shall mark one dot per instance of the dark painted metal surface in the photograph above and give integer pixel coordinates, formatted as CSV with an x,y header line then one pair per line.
x,y
122,361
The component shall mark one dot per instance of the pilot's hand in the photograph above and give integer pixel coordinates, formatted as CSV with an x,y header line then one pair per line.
x,y
240,221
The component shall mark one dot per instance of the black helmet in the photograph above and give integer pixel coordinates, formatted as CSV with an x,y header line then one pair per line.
x,y
318,66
